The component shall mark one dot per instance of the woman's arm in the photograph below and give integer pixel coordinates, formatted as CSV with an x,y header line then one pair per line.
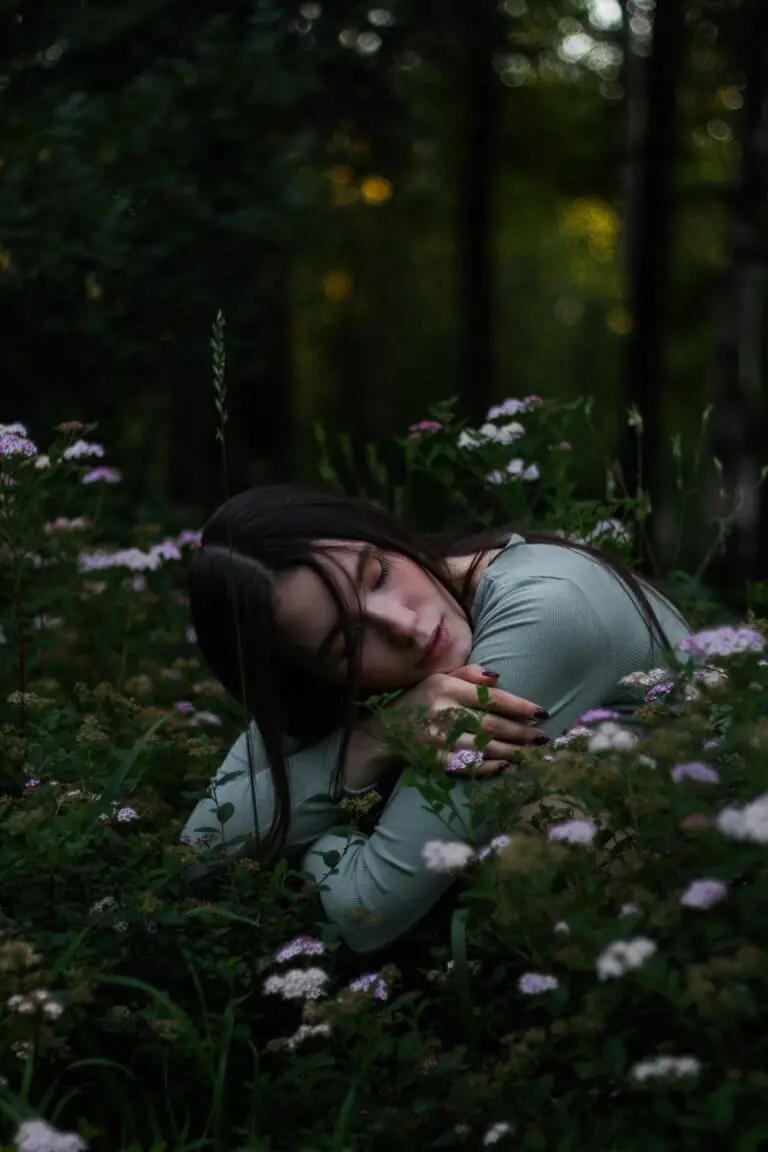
x,y
310,773
547,642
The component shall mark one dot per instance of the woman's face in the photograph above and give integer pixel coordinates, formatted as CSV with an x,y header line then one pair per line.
x,y
408,625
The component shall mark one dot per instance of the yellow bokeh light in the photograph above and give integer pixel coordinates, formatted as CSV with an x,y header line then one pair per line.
x,y
5,261
376,190
337,285
93,288
593,222
619,320
341,174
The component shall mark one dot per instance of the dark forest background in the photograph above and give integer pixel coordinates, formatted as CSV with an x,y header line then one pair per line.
x,y
390,205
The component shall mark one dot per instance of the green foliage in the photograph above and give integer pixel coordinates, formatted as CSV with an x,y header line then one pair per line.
x,y
146,1010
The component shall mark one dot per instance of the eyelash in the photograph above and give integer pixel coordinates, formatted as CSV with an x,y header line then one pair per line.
x,y
384,572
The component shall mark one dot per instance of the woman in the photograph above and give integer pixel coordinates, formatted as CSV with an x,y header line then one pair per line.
x,y
307,602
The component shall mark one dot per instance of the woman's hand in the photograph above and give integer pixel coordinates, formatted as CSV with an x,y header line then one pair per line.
x,y
505,718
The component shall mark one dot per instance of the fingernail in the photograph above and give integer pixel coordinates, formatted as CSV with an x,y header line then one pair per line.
x,y
541,738
491,675
541,714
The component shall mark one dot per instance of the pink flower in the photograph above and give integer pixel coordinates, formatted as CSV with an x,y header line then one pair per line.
x,y
32,783
597,715
418,430
695,770
104,475
11,444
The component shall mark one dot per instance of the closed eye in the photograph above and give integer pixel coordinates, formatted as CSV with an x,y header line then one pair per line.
x,y
383,573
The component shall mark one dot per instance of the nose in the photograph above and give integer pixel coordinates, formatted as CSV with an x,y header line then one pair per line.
x,y
396,621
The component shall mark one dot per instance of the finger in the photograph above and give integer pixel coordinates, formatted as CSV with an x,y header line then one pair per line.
x,y
475,674
500,702
510,731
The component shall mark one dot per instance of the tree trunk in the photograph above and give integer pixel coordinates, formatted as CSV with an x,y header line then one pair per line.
x,y
652,142
475,208
740,422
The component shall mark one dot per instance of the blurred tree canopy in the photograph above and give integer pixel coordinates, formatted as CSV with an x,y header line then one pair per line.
x,y
390,205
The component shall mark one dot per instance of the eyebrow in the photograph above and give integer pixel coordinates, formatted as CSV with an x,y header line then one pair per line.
x,y
326,645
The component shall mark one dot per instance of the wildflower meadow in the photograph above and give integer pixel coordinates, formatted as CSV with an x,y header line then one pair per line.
x,y
596,981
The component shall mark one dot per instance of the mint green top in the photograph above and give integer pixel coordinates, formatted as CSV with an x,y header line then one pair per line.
x,y
560,629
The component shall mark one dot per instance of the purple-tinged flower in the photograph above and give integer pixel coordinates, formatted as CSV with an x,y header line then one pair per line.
x,y
464,758
723,641
184,706
563,446
596,715
704,893
102,475
12,444
15,429
32,783
534,983
190,635
715,742
695,770
299,946
423,426
298,984
659,691
446,855
577,831
123,815
81,449
371,982
166,550
189,538
495,477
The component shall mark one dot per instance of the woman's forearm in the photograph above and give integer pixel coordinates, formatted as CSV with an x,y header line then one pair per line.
x,y
368,756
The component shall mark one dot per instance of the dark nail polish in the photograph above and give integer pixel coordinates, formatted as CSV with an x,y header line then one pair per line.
x,y
491,675
542,738
541,714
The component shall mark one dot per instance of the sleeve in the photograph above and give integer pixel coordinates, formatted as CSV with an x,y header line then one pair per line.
x,y
380,887
312,809
548,644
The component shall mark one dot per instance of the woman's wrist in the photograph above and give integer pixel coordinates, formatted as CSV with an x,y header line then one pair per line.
x,y
368,756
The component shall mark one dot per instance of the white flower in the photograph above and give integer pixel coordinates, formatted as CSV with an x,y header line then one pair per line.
x,y
446,855
703,893
15,429
748,823
305,1031
645,679
611,528
42,461
628,910
495,1133
52,1009
203,717
507,434
562,929
624,956
572,734
665,1066
611,736
577,831
495,846
81,449
39,1136
120,926
299,946
102,905
468,439
297,984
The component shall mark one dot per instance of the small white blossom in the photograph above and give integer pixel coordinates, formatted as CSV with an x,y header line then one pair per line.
x,y
629,909
297,984
123,815
102,905
82,450
576,831
610,736
39,1136
671,1067
495,1133
571,735
748,823
306,1031
562,929
624,956
495,846
446,855
120,926
645,679
299,946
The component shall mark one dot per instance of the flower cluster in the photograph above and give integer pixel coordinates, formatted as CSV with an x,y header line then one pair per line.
x,y
446,855
723,641
624,956
747,823
37,1001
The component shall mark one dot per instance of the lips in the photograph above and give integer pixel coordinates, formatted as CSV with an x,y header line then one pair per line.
x,y
437,644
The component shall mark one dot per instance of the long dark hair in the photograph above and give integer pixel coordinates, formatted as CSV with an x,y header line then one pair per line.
x,y
265,531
